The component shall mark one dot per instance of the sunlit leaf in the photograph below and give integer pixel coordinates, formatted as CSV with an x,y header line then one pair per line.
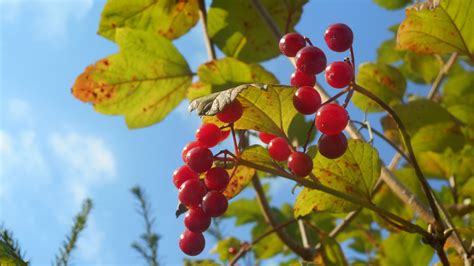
x,y
239,179
332,253
207,262
438,137
392,4
143,82
168,18
398,249
420,68
386,53
223,246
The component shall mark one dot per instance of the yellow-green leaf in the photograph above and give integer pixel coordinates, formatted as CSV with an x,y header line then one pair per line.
x,y
168,18
143,82
353,173
392,4
381,79
398,249
223,246
439,27
240,177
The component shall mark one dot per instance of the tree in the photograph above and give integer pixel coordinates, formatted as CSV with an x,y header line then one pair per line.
x,y
345,187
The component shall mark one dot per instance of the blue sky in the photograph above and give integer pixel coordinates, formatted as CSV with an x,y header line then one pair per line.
x,y
55,150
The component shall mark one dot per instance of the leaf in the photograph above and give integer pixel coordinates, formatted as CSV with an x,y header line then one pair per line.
x,y
384,81
237,28
298,130
218,75
143,82
332,253
386,53
8,257
238,180
267,108
438,137
353,173
420,68
392,4
223,246
168,18
438,28
244,211
458,96
398,249
205,262
268,246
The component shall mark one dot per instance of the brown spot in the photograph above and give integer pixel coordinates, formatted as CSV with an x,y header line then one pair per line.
x,y
106,62
114,25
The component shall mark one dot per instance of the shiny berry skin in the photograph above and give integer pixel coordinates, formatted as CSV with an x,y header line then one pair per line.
x,y
216,178
182,174
191,193
307,100
279,149
311,60
339,74
266,137
224,135
300,164
339,37
208,134
331,119
300,79
332,147
232,250
196,220
199,159
189,147
231,112
214,203
291,43
192,244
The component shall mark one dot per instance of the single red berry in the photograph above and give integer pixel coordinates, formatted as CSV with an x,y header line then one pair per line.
x,y
311,60
307,100
332,146
216,178
266,137
208,134
214,203
279,149
196,220
224,135
233,250
192,244
331,119
291,43
300,79
339,37
231,112
199,159
300,164
182,174
339,74
191,193
189,147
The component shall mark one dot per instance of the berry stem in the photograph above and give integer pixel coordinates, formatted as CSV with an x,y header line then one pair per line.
x,y
335,97
308,134
308,41
348,98
353,64
234,139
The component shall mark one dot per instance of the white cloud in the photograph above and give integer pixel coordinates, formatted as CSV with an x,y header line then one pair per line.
x,y
19,110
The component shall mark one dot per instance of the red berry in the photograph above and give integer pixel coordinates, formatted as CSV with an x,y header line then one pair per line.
x,y
214,203
231,112
189,147
208,134
224,134
339,37
331,119
216,178
266,137
279,149
332,146
291,43
300,164
307,100
311,60
196,220
300,79
191,193
199,159
182,174
232,250
339,74
191,243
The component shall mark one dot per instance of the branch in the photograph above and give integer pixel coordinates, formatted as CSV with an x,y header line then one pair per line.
x,y
211,52
441,75
79,224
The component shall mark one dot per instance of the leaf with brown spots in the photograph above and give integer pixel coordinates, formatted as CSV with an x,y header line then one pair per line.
x,y
353,173
239,179
382,80
145,81
168,18
439,27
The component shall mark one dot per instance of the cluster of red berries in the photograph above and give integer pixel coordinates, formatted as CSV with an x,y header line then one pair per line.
x,y
203,197
331,118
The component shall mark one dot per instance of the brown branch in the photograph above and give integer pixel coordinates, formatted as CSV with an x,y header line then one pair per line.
x,y
211,52
442,75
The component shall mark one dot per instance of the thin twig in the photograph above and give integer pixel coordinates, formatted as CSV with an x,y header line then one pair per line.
x,y
211,52
441,75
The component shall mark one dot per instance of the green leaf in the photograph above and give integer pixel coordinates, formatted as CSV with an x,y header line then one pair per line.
x,y
207,262
223,246
384,81
398,249
268,246
238,30
240,177
267,108
332,253
386,53
298,131
8,256
167,18
244,211
219,75
420,68
438,27
392,4
438,137
459,89
145,81
353,173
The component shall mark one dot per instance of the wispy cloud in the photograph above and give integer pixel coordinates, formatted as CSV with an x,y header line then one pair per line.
x,y
18,110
